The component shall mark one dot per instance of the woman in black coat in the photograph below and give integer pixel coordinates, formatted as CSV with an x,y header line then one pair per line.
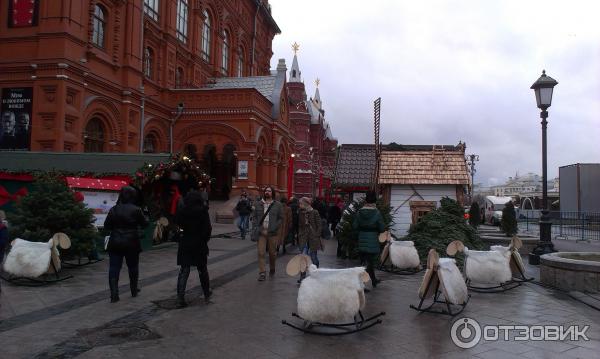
x,y
124,222
193,219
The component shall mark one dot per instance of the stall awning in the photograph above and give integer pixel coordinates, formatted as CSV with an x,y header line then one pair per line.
x,y
95,183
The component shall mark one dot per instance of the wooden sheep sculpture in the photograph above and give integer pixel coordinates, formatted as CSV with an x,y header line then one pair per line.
x,y
399,257
442,279
488,268
517,267
330,300
30,260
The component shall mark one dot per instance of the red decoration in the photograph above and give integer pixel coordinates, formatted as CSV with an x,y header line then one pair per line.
x,y
6,197
95,183
16,177
79,197
23,12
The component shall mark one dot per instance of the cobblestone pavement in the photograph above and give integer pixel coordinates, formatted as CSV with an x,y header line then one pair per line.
x,y
75,319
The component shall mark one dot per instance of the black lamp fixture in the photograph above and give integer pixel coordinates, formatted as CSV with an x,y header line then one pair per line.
x,y
543,88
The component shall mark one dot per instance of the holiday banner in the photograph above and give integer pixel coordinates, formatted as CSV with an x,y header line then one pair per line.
x,y
16,111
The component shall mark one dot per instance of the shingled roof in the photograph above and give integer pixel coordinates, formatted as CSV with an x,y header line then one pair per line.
x,y
355,165
438,165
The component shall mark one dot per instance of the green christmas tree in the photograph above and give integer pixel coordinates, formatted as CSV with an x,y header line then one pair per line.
x,y
475,215
509,225
440,227
49,208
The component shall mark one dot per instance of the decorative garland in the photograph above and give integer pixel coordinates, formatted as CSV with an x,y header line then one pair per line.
x,y
179,166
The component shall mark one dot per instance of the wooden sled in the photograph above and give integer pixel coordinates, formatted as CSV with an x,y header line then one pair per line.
x,y
433,287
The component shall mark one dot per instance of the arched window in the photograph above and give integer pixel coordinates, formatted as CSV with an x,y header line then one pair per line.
x,y
240,64
94,136
99,24
179,77
148,62
150,143
225,55
205,46
182,20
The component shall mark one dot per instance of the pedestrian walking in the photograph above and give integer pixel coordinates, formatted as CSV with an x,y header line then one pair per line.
x,y
368,222
124,221
295,208
334,216
286,225
309,232
244,208
267,218
194,220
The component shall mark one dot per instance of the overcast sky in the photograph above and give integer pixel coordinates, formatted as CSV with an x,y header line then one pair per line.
x,y
450,71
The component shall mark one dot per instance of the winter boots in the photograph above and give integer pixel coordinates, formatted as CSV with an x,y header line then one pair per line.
x,y
113,283
133,284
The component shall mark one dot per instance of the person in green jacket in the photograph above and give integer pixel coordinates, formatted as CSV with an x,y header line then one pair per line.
x,y
368,222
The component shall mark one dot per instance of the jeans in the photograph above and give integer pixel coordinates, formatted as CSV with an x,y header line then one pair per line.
x,y
243,225
313,255
116,262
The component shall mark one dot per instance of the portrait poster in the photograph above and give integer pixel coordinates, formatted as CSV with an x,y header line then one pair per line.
x,y
242,170
15,125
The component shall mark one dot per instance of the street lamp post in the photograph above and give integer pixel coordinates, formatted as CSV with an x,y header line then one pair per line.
x,y
543,88
471,163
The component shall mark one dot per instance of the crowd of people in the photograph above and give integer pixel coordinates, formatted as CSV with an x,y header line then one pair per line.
x,y
302,223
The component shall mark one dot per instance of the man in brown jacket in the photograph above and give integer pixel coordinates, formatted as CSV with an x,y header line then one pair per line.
x,y
267,218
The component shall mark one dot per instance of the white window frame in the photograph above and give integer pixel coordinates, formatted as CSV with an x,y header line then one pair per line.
x,y
151,8
182,20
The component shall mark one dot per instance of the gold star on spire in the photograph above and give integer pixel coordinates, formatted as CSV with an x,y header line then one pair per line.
x,y
317,82
295,47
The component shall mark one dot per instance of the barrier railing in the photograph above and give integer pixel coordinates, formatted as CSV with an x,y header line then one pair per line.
x,y
580,226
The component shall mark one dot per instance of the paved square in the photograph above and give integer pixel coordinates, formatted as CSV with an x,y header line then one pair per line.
x,y
75,319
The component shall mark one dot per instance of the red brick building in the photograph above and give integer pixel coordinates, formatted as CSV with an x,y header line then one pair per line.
x,y
155,76
315,147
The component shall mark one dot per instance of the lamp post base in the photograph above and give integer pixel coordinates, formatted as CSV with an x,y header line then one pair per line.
x,y
545,245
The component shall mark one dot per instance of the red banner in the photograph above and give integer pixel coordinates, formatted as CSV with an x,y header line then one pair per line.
x,y
23,13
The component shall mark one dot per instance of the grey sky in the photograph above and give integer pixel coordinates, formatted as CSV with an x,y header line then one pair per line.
x,y
454,70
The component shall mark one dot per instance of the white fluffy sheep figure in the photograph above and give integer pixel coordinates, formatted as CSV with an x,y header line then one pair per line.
x,y
332,295
32,259
442,279
329,296
489,267
402,254
517,266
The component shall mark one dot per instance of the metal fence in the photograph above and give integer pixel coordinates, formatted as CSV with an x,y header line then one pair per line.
x,y
580,226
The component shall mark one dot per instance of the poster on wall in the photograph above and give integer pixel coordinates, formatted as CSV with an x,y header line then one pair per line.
x,y
242,170
16,112
101,203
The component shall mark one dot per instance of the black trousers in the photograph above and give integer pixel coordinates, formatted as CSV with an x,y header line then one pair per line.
x,y
184,273
116,262
370,259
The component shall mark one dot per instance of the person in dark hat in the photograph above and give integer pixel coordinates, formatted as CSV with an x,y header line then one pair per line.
x,y
124,222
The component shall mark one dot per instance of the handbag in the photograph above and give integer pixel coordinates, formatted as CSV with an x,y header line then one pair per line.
x,y
257,228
